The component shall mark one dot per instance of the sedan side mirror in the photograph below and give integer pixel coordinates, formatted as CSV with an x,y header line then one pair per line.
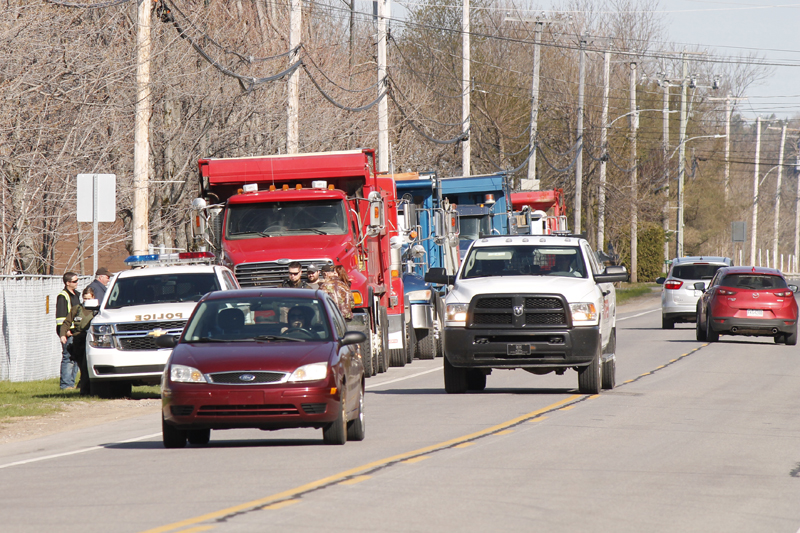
x,y
353,337
166,341
612,274
794,288
700,286
661,281
439,275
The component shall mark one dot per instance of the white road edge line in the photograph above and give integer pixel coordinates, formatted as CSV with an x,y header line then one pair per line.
x,y
75,452
640,314
437,369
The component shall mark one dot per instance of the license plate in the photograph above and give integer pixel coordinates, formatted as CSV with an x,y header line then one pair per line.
x,y
755,312
519,349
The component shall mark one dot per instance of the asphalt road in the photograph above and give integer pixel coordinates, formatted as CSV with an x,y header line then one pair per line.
x,y
695,437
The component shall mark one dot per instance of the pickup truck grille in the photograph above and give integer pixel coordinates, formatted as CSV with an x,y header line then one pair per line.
x,y
518,311
270,273
132,336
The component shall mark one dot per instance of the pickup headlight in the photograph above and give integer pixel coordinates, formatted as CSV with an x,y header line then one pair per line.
x,y
457,313
185,374
101,336
583,314
419,296
312,372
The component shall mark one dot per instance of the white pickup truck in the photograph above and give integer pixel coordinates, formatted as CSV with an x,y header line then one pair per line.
x,y
541,303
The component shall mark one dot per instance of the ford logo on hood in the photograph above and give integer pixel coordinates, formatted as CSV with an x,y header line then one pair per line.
x,y
247,377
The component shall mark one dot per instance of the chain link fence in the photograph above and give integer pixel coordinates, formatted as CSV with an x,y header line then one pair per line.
x,y
29,346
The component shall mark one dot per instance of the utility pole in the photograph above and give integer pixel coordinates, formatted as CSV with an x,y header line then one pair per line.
x,y
728,113
665,143
579,155
466,85
533,183
384,10
293,83
755,194
141,141
601,200
797,207
778,197
634,120
681,154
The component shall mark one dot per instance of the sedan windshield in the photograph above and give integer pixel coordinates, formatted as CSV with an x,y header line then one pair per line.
x,y
524,261
273,219
165,288
258,319
756,282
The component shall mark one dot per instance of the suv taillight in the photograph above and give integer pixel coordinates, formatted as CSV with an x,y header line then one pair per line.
x,y
725,291
783,293
673,284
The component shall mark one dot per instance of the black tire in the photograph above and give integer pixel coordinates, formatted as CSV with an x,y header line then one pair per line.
x,y
336,432
172,436
382,358
779,338
791,338
397,356
699,329
356,428
411,345
476,380
667,323
100,388
590,376
366,355
199,437
609,373
120,389
455,379
426,344
711,335
440,318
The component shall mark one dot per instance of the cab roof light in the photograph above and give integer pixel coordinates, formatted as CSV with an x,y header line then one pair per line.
x,y
271,188
250,187
298,187
285,187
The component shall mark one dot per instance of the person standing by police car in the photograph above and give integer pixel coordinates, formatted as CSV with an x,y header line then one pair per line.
x,y
100,282
78,321
65,301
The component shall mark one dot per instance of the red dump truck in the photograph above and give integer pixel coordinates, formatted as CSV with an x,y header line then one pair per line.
x,y
262,213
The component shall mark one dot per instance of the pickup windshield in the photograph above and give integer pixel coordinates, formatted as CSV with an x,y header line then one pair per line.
x,y
165,288
486,261
273,219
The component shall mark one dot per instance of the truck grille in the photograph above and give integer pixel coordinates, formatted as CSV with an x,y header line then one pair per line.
x,y
270,273
132,336
518,311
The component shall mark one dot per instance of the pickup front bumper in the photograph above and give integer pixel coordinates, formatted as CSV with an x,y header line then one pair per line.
x,y
513,348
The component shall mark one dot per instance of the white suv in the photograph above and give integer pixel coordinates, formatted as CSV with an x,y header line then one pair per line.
x,y
138,306
678,295
540,303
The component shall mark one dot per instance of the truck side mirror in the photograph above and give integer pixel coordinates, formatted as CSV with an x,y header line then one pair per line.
x,y
612,274
439,275
376,213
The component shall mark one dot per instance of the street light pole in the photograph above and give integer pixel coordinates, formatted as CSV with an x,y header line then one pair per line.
x,y
755,193
682,149
634,178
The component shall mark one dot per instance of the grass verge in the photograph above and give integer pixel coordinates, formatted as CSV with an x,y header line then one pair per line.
x,y
629,291
40,398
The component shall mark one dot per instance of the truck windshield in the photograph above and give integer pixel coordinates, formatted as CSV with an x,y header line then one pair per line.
x,y
486,261
472,228
271,219
165,288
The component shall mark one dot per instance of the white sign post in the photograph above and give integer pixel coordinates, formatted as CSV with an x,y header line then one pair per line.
x,y
97,202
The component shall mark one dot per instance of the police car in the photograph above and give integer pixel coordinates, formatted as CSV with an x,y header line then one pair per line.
x,y
139,305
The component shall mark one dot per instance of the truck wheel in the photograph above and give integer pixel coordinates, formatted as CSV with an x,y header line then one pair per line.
x,y
667,323
336,432
455,379
590,377
383,351
791,338
120,389
711,335
366,355
609,373
172,436
440,320
476,380
411,345
101,389
199,437
699,330
397,356
426,344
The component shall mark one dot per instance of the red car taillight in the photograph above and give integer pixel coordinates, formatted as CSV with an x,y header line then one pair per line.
x,y
673,284
725,291
783,293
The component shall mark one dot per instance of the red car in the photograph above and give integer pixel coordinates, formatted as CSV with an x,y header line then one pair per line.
x,y
266,359
747,301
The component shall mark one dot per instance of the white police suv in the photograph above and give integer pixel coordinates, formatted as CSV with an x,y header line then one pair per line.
x,y
541,303
139,305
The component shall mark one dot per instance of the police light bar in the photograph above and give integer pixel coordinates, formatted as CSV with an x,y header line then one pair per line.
x,y
183,258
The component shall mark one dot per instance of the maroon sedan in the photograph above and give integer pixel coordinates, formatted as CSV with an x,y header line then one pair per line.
x,y
266,359
747,301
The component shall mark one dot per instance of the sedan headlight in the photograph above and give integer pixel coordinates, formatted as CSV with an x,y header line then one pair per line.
x,y
457,312
312,372
419,296
185,374
583,313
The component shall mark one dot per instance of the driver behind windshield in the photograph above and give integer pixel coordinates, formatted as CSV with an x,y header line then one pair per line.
x,y
298,317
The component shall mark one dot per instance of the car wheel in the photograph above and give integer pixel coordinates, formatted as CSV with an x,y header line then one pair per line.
x,y
791,338
426,344
336,432
411,345
667,323
590,376
198,437
711,335
476,380
699,330
101,389
455,379
120,389
355,428
172,436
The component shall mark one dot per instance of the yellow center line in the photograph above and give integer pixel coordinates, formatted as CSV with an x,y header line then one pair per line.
x,y
197,529
280,505
567,408
464,445
341,476
354,480
538,419
505,432
415,459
